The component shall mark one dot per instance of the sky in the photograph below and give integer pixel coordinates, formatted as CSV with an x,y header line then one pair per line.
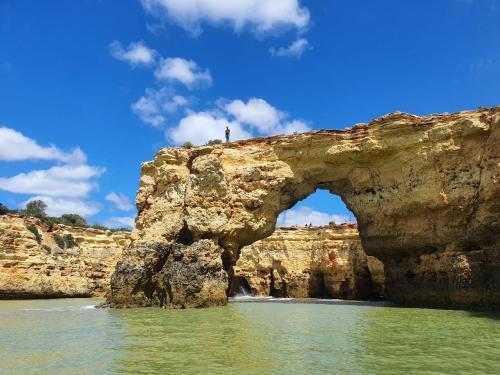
x,y
89,89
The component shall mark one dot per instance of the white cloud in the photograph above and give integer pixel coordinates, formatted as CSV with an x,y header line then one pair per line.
x,y
155,104
136,54
306,215
261,16
263,117
296,49
14,146
64,188
256,112
148,111
120,201
60,206
185,71
254,116
201,127
74,181
119,222
295,126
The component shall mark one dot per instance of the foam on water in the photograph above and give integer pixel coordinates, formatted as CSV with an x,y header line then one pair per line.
x,y
60,308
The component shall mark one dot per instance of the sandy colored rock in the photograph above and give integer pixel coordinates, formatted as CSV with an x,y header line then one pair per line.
x,y
303,262
419,187
29,269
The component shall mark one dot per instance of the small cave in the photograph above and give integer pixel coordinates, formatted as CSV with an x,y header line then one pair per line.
x,y
317,286
239,287
274,291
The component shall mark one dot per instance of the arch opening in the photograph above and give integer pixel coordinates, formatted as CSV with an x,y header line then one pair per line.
x,y
314,252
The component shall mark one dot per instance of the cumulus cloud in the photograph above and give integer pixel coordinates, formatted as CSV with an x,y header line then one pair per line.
x,y
155,104
255,117
120,201
296,49
60,206
60,181
201,127
256,112
263,117
306,215
14,146
119,222
261,16
64,188
184,71
136,54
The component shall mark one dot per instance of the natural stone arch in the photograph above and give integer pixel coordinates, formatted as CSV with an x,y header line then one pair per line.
x,y
424,191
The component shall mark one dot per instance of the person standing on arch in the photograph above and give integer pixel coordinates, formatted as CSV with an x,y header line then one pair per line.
x,y
228,133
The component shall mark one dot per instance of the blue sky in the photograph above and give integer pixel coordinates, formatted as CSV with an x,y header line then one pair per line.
x,y
118,80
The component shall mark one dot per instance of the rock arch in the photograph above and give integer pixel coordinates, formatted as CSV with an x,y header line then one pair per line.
x,y
424,190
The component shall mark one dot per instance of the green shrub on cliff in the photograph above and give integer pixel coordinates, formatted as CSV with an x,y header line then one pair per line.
x,y
33,229
65,242
59,241
214,142
3,210
187,145
73,220
99,226
36,209
69,241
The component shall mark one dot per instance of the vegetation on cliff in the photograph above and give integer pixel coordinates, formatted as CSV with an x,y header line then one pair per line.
x,y
37,209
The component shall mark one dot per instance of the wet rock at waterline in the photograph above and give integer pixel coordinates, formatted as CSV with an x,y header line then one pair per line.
x,y
170,275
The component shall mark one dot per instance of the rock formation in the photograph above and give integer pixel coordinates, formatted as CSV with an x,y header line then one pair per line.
x,y
424,190
303,262
170,275
42,261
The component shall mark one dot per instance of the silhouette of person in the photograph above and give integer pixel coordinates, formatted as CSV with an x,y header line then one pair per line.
x,y
228,133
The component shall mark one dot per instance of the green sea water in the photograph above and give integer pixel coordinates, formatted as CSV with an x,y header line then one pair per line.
x,y
70,336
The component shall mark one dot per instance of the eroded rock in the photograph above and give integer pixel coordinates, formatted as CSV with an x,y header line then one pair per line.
x,y
170,275
418,186
41,268
303,262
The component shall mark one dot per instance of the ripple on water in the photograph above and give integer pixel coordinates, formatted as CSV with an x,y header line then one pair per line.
x,y
280,337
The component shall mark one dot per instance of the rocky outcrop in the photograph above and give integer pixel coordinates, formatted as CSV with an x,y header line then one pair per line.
x,y
42,261
425,192
303,262
170,275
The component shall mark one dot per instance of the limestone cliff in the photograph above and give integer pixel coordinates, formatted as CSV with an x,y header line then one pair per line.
x,y
42,261
305,262
425,192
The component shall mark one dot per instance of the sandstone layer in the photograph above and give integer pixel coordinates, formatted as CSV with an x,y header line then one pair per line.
x,y
42,268
425,192
303,262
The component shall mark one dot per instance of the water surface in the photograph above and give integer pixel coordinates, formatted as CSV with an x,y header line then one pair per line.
x,y
70,336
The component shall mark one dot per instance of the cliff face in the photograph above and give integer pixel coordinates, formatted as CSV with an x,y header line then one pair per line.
x,y
303,262
31,268
425,192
